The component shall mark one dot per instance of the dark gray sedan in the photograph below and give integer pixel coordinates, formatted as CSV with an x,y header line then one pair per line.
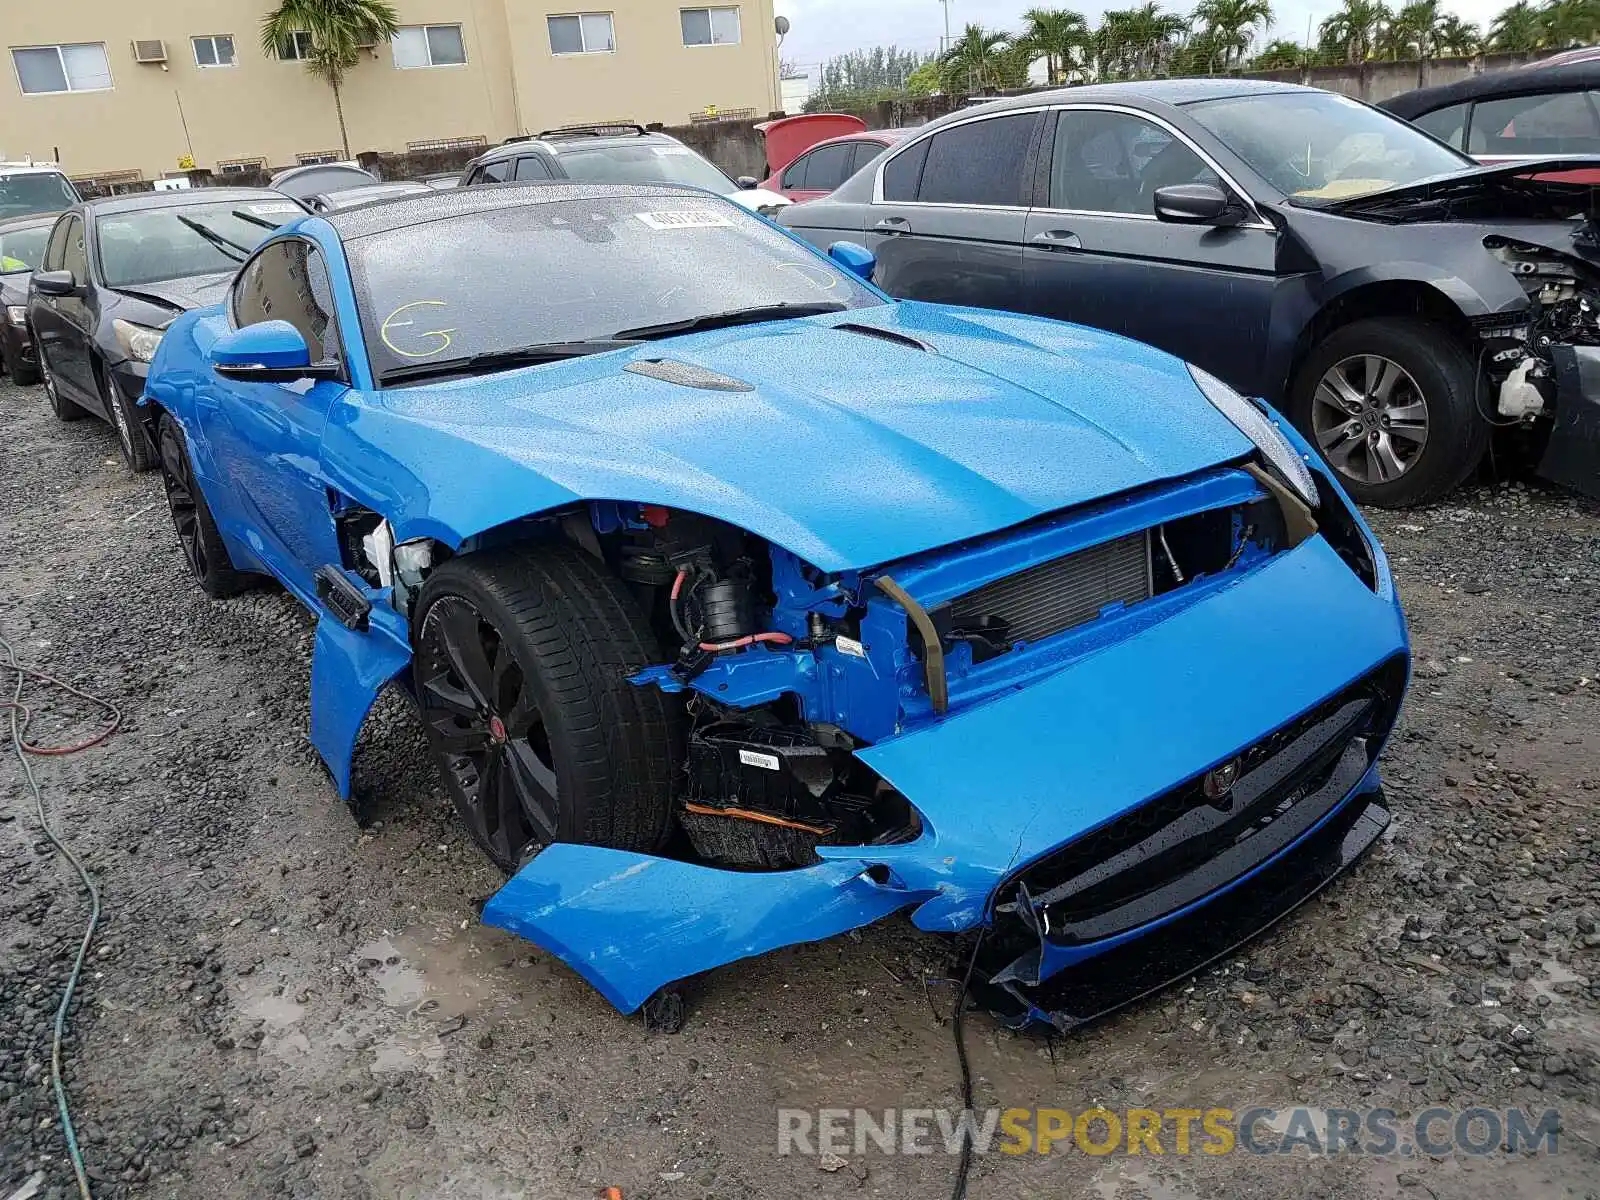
x,y
1394,297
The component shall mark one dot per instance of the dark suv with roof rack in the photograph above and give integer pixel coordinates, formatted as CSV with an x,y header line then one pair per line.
x,y
620,152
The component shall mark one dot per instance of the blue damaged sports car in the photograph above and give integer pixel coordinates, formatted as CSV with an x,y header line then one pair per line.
x,y
744,606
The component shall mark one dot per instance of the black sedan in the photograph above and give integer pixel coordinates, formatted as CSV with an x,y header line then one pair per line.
x,y
21,248
1393,296
115,273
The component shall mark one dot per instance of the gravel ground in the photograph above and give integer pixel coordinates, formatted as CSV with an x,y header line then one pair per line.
x,y
285,1002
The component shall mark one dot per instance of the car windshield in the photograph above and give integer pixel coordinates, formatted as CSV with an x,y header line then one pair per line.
x,y
574,271
649,162
34,192
21,249
1316,146
153,244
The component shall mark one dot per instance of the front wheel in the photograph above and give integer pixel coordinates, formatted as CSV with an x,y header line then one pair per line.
x,y
136,449
521,667
1392,405
191,516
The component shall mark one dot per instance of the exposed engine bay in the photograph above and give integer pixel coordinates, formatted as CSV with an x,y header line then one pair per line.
x,y
1564,310
787,672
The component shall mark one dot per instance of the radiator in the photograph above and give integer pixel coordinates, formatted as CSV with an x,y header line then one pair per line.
x,y
1054,596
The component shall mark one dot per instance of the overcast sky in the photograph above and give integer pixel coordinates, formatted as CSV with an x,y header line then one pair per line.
x,y
822,28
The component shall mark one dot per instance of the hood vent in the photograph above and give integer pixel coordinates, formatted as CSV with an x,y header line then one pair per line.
x,y
885,335
687,375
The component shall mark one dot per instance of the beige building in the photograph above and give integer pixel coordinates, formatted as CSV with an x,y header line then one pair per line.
x,y
124,89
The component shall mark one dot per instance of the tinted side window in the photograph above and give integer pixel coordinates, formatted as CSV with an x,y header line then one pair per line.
x,y
1565,123
1113,163
1446,124
794,175
979,162
532,168
829,167
903,173
495,172
76,259
56,252
288,281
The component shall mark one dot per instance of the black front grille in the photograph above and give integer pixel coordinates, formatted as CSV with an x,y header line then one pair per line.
x,y
1183,844
1055,596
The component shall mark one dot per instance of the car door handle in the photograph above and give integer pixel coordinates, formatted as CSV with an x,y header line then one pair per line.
x,y
893,225
1056,239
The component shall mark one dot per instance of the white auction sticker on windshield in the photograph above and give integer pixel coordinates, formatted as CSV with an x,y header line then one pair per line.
x,y
695,218
271,208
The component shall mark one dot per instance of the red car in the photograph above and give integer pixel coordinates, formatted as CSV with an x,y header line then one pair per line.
x,y
810,155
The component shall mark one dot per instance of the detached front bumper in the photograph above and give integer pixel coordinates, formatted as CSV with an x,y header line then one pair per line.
x,y
1008,783
1573,454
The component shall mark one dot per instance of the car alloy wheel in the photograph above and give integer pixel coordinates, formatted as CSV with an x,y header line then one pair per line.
x,y
1370,418
178,478
120,420
481,719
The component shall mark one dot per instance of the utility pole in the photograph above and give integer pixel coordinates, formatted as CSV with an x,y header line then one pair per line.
x,y
945,46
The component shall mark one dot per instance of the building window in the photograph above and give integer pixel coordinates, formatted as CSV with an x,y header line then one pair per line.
x,y
710,26
296,47
581,33
474,143
76,68
428,46
317,157
241,166
214,50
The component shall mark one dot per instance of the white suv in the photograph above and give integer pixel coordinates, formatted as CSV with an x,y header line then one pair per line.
x,y
27,188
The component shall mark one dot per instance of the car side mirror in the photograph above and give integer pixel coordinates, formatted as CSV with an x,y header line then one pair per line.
x,y
855,258
55,283
747,182
1196,204
270,352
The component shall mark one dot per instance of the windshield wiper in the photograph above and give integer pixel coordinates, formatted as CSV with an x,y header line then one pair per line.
x,y
228,247
252,219
498,360
736,316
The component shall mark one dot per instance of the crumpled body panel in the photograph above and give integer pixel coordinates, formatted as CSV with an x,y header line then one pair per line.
x,y
996,786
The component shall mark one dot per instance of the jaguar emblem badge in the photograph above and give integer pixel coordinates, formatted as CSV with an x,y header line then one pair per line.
x,y
1219,781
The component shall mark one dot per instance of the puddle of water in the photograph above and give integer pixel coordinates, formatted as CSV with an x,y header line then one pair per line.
x,y
402,1053
441,975
279,1012
1554,973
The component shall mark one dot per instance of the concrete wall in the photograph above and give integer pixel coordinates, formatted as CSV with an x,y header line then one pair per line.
x,y
1375,81
262,108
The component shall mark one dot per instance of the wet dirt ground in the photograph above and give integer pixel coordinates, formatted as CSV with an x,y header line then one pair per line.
x,y
282,1002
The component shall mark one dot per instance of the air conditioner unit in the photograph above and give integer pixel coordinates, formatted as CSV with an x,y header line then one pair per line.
x,y
152,51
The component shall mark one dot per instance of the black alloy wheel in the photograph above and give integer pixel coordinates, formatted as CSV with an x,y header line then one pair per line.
x,y
191,517
484,723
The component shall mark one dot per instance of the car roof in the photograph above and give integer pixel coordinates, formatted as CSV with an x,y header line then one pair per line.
x,y
182,198
1527,81
30,221
422,208
1161,91
345,197
577,137
17,168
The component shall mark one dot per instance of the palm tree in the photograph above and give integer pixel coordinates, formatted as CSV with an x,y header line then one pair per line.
x,y
1137,42
1518,29
1355,30
339,29
975,60
1231,25
1570,22
1056,35
1457,38
1279,55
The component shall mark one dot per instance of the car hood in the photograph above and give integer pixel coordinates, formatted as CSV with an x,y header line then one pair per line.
x,y
851,440
1486,192
755,199
180,295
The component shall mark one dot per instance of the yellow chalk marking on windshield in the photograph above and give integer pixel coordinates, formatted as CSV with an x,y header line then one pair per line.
x,y
442,334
